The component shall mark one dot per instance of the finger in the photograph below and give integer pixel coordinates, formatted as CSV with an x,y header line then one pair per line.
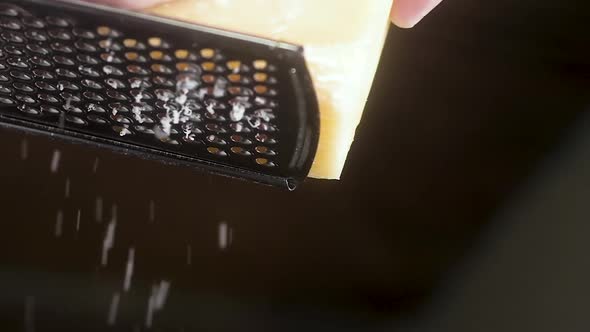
x,y
128,4
407,13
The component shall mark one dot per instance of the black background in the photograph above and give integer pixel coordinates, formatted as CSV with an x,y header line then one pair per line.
x,y
465,107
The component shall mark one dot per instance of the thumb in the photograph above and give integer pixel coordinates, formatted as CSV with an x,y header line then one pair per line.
x,y
407,13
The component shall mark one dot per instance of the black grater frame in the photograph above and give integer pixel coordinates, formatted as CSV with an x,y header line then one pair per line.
x,y
299,107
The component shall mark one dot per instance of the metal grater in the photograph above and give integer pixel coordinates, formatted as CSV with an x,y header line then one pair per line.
x,y
185,94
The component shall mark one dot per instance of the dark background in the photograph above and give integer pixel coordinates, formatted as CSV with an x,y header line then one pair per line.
x,y
461,206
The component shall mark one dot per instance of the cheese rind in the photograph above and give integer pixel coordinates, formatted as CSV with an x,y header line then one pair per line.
x,y
343,40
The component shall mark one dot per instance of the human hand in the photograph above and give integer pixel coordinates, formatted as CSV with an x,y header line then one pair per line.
x,y
404,14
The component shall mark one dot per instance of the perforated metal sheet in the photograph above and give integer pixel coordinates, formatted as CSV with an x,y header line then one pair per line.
x,y
220,101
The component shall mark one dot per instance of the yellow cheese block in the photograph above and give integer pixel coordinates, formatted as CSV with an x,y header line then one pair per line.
x,y
343,40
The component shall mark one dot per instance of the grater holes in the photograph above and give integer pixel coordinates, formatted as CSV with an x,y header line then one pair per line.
x,y
117,95
110,57
48,109
264,150
75,119
260,77
62,60
29,110
264,90
57,21
240,91
130,43
240,151
43,74
37,49
191,139
240,127
60,34
161,69
138,94
88,71
13,37
48,98
87,59
36,36
67,85
5,89
183,54
93,96
234,78
61,47
265,162
8,10
157,42
121,119
45,86
83,33
214,127
164,94
208,53
19,75
216,151
264,102
85,46
110,45
95,108
91,84
240,139
25,99
208,78
234,66
208,66
117,108
138,70
188,67
264,138
103,31
106,31
71,97
144,129
260,64
112,70
115,83
134,56
14,50
160,56
7,101
23,87
138,82
214,139
97,119
10,23
4,78
17,62
33,22
122,130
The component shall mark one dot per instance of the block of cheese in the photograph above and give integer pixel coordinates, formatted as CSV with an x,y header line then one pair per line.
x,y
343,40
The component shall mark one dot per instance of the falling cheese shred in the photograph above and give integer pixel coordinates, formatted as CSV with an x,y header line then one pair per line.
x,y
343,40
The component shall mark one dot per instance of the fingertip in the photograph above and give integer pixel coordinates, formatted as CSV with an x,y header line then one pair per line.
x,y
407,13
